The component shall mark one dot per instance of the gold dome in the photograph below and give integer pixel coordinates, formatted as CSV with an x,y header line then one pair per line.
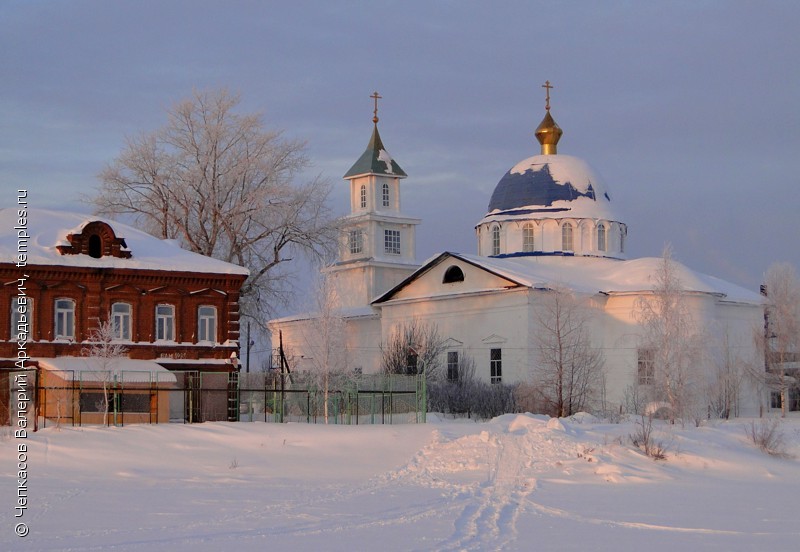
x,y
548,133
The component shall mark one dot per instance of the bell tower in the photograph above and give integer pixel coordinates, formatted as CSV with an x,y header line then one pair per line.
x,y
377,247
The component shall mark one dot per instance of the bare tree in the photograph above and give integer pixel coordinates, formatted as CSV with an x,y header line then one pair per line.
x,y
104,350
726,386
414,347
568,374
224,186
326,341
672,339
780,339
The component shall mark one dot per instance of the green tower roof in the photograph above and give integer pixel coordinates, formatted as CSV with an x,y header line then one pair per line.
x,y
375,160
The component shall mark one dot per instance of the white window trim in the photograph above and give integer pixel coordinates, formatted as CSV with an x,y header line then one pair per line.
x,y
203,323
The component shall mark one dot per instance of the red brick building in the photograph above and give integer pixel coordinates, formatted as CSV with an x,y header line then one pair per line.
x,y
175,308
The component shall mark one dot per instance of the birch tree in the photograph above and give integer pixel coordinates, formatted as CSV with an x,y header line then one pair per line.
x,y
224,186
568,373
671,339
326,341
104,351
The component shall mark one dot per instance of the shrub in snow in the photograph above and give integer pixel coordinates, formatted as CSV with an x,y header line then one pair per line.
x,y
768,436
644,439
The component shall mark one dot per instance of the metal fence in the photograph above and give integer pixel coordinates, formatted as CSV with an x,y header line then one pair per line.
x,y
81,398
342,399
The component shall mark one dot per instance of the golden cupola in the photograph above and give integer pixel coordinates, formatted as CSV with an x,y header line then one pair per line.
x,y
548,132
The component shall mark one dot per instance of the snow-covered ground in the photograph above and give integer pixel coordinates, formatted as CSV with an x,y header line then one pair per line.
x,y
518,482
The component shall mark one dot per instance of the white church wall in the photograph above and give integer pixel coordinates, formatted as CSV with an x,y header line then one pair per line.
x,y
480,322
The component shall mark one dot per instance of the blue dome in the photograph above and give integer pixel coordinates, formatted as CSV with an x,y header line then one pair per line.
x,y
549,183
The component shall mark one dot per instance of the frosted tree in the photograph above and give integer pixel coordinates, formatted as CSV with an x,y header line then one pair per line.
x,y
671,340
780,338
326,341
104,350
726,386
414,347
568,371
226,187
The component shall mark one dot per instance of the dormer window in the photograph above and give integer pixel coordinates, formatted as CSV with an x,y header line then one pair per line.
x,y
95,246
452,275
95,239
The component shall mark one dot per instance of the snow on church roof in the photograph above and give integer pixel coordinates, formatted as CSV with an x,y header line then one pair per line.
x,y
551,186
48,229
590,275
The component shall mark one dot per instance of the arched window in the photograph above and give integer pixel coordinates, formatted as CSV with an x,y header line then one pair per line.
x,y
385,194
165,323
602,244
121,320
528,243
566,237
453,274
207,323
495,240
64,319
363,194
95,246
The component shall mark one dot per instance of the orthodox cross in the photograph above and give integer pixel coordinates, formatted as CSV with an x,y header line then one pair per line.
x,y
375,96
546,86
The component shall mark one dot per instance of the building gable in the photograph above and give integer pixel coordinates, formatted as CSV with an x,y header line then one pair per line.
x,y
446,275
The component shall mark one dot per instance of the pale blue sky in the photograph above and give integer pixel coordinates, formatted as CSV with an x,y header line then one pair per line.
x,y
689,110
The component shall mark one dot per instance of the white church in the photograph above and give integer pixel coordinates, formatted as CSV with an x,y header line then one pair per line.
x,y
550,224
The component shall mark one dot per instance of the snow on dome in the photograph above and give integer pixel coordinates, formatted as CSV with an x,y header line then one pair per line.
x,y
552,186
48,229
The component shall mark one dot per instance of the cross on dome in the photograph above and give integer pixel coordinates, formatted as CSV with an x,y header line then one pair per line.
x,y
376,97
547,86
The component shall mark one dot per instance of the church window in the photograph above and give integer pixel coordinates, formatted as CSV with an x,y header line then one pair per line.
x,y
527,238
601,238
363,196
165,323
646,366
207,323
566,237
453,274
622,240
385,195
452,366
121,320
391,242
495,240
95,246
21,318
65,319
496,365
356,239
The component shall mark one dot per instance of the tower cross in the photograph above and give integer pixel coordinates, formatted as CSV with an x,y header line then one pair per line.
x,y
375,96
547,86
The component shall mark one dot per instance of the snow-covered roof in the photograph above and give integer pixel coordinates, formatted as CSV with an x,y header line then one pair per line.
x,y
375,160
122,370
48,229
590,275
550,186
